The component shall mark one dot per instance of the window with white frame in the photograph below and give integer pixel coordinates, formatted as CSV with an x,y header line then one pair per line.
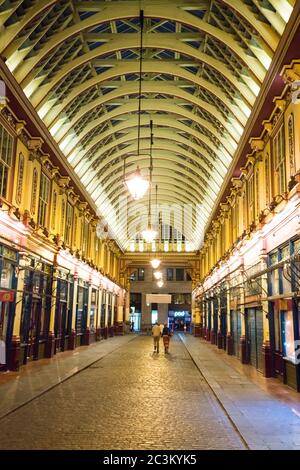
x,y
43,199
279,161
6,148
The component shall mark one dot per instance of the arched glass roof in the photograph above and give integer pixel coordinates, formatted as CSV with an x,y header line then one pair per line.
x,y
203,66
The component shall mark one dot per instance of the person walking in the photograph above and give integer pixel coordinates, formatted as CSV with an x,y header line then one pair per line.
x,y
156,333
166,337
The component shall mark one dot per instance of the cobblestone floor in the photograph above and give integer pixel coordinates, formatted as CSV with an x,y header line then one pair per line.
x,y
130,399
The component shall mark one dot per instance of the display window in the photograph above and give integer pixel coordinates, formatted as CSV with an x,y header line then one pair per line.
x,y
287,333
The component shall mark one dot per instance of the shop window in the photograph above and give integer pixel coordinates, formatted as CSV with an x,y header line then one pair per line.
x,y
34,191
20,179
279,161
154,316
68,226
7,271
93,311
43,199
287,331
6,148
181,299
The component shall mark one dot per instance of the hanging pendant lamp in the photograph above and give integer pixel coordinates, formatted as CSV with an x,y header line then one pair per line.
x,y
150,234
135,183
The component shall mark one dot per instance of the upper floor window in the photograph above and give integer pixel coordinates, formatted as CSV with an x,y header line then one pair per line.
x,y
251,198
34,191
68,225
179,274
170,274
6,148
20,179
138,275
85,239
43,199
54,207
279,161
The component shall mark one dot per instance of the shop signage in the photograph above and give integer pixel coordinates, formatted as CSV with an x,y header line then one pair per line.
x,y
7,296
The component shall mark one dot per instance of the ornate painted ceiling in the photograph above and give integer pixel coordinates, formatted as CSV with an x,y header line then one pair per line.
x,y
203,66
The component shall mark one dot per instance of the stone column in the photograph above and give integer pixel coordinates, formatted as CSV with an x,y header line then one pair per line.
x,y
111,326
195,316
50,343
219,334
120,306
13,353
106,317
243,342
266,347
162,313
88,317
229,338
98,329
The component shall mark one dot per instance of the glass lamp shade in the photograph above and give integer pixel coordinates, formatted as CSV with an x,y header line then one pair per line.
x,y
136,184
149,235
160,283
155,263
157,275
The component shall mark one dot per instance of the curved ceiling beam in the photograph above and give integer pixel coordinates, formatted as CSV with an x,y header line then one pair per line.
x,y
118,201
119,114
161,134
159,87
40,95
171,203
269,34
154,66
160,144
155,105
24,70
9,33
159,121
162,159
154,41
163,152
166,163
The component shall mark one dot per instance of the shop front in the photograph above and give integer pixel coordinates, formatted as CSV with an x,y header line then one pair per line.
x,y
284,309
208,319
254,336
215,315
81,311
110,314
8,286
236,331
93,314
36,308
222,333
103,328
63,310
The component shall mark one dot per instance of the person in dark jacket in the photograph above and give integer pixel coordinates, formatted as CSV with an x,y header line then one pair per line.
x,y
166,337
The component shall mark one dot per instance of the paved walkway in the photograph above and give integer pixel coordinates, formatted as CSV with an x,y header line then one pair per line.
x,y
18,388
117,394
130,399
265,412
